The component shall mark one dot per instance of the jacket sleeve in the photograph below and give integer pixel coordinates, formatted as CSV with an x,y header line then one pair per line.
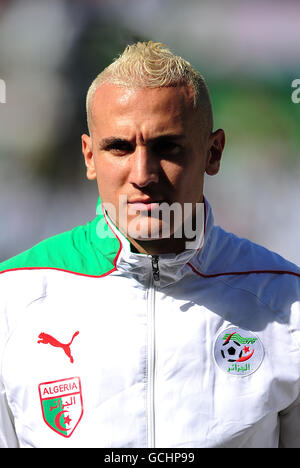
x,y
290,417
8,438
290,427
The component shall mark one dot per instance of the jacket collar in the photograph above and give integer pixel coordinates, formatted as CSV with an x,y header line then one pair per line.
x,y
172,267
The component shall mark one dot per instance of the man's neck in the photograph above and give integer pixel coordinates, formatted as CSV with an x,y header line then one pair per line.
x,y
158,246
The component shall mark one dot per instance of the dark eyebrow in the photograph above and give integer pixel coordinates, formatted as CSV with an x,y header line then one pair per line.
x,y
106,143
167,137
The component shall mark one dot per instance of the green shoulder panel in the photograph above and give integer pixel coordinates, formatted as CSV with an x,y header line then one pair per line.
x,y
89,250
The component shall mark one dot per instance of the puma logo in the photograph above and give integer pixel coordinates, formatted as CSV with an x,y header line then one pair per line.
x,y
48,339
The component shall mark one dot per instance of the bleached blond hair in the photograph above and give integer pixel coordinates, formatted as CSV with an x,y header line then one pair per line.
x,y
152,65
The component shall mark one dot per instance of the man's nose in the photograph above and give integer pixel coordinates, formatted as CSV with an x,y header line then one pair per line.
x,y
145,167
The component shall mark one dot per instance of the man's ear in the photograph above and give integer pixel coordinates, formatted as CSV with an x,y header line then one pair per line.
x,y
87,150
215,150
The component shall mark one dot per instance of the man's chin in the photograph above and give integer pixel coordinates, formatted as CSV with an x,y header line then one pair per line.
x,y
149,229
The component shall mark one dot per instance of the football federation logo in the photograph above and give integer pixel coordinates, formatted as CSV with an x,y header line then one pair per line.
x,y
62,405
238,351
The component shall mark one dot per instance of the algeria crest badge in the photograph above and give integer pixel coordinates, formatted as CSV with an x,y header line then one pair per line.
x,y
238,351
62,406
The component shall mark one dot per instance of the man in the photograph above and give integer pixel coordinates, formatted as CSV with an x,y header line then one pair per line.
x,y
142,329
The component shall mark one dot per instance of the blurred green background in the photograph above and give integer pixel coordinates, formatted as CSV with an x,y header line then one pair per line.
x,y
51,50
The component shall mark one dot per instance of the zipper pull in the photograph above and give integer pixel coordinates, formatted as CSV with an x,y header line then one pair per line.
x,y
155,268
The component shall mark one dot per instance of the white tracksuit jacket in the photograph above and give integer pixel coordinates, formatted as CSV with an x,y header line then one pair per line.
x,y
102,347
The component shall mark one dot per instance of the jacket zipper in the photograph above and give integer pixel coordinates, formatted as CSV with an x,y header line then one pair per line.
x,y
151,355
155,268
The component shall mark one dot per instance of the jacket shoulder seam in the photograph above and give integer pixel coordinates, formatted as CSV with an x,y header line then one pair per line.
x,y
247,272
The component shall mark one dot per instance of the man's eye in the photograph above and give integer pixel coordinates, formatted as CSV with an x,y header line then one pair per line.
x,y
168,148
119,149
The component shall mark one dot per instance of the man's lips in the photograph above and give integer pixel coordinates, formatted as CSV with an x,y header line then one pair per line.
x,y
144,204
